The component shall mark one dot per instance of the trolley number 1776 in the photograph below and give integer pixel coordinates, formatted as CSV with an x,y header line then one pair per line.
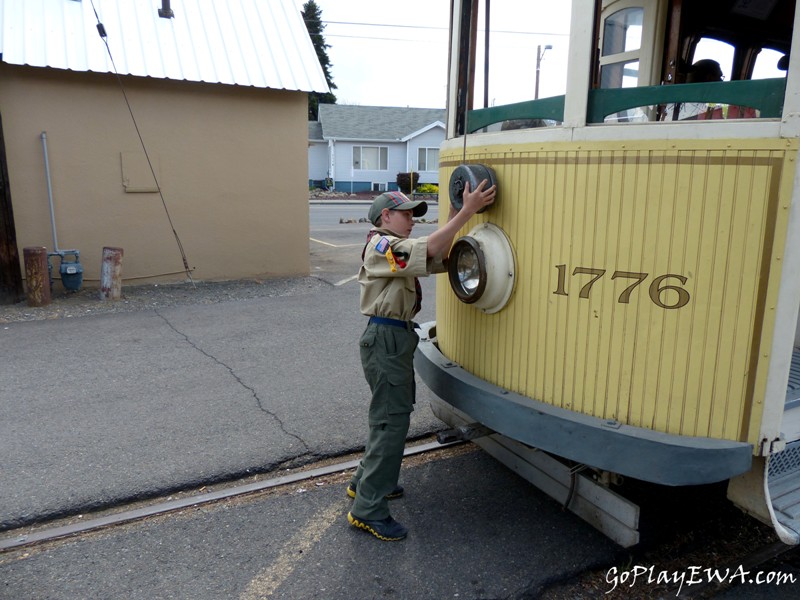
x,y
659,289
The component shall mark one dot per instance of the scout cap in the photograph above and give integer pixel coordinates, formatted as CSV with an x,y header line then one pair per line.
x,y
395,201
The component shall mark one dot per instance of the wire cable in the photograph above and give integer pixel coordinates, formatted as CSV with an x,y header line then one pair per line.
x,y
104,36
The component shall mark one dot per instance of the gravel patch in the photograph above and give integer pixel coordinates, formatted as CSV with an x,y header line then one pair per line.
x,y
86,301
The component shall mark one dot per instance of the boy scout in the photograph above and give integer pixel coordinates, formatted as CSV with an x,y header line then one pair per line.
x,y
390,297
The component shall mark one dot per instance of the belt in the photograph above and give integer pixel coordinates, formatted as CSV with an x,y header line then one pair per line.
x,y
393,322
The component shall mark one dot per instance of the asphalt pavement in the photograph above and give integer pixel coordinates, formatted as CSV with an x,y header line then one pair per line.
x,y
107,410
102,410
476,532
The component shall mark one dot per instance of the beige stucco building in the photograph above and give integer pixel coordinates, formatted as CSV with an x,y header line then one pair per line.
x,y
228,148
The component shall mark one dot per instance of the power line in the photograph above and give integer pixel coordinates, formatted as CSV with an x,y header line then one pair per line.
x,y
104,37
385,39
384,25
506,31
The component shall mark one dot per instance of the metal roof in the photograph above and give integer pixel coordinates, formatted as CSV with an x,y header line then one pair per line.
x,y
351,122
259,43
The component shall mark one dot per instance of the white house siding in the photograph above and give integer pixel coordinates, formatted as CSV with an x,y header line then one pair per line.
x,y
401,130
347,179
317,161
430,139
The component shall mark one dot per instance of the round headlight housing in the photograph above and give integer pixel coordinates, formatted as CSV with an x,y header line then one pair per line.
x,y
481,268
467,270
472,174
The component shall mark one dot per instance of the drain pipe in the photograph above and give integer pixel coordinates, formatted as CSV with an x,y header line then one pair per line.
x,y
49,191
71,271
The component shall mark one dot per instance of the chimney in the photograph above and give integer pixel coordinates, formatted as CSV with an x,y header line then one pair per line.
x,y
165,12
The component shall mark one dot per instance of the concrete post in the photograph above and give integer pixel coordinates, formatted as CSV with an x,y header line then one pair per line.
x,y
111,274
37,275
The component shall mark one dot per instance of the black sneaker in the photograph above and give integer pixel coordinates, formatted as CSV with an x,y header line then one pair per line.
x,y
393,495
386,529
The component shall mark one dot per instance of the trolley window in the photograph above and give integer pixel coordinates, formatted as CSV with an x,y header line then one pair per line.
x,y
517,64
707,51
645,64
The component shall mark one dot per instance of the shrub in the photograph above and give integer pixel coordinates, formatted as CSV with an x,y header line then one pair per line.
x,y
427,188
405,183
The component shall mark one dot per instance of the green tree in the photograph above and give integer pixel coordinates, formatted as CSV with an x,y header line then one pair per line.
x,y
312,15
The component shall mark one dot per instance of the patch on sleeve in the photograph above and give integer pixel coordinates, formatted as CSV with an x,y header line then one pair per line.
x,y
382,245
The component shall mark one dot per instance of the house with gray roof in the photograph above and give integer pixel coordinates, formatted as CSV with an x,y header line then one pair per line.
x,y
363,148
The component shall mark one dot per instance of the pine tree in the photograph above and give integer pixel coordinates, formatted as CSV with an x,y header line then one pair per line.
x,y
312,15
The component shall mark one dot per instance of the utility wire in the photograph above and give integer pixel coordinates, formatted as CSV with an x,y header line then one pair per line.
x,y
104,36
506,31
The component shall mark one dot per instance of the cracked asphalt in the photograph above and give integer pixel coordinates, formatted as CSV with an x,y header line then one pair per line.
x,y
179,387
109,408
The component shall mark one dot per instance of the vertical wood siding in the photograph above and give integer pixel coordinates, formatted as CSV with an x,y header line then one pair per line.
x,y
712,212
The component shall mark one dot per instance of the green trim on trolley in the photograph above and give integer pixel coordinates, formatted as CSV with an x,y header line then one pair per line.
x,y
766,95
544,108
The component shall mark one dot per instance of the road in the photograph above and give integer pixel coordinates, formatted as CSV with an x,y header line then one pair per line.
x,y
115,412
337,238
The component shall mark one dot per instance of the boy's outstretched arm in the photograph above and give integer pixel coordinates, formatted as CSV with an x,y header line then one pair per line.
x,y
439,242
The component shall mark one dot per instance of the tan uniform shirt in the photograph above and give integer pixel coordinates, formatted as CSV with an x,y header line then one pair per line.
x,y
392,294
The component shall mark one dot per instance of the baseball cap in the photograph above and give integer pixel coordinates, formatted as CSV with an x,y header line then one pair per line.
x,y
395,201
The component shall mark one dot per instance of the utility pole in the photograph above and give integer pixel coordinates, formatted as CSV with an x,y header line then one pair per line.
x,y
539,57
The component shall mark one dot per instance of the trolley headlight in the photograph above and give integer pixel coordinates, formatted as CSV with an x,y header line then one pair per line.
x,y
467,270
481,268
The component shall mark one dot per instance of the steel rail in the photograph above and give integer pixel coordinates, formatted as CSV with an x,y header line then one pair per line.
x,y
160,508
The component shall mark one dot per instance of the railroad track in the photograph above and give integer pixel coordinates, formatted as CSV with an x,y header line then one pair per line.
x,y
737,566
43,533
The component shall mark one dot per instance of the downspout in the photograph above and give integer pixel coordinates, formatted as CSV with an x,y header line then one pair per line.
x,y
332,160
49,191
408,165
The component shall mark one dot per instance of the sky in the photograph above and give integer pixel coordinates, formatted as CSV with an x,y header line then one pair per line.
x,y
395,53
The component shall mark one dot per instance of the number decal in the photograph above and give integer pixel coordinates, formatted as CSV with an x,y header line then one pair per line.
x,y
625,296
656,290
661,294
562,276
598,273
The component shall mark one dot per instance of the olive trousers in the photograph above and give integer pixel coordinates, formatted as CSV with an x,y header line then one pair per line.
x,y
387,356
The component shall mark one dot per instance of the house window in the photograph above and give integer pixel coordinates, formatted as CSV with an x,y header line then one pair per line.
x,y
378,187
371,158
428,159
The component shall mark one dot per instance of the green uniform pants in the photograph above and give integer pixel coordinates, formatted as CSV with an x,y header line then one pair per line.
x,y
387,355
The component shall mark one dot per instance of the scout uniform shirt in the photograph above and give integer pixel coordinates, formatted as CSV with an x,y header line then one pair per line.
x,y
387,276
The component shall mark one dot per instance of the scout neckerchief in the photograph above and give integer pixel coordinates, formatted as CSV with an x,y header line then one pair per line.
x,y
387,252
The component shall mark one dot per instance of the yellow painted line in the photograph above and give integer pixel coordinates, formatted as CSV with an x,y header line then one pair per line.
x,y
348,280
335,245
294,550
